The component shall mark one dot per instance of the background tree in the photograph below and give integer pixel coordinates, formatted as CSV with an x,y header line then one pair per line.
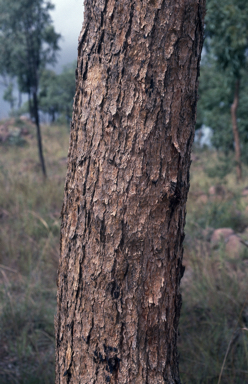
x,y
28,43
48,95
126,189
227,43
57,92
8,94
216,98
67,90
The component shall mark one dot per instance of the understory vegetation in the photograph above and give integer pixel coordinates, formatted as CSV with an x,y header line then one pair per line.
x,y
213,342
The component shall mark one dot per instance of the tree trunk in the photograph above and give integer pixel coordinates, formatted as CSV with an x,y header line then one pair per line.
x,y
30,106
234,108
39,139
126,188
19,99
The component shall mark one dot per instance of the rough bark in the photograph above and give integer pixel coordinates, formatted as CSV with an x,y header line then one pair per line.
x,y
126,188
234,108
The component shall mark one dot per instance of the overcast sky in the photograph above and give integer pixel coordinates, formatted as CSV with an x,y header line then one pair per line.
x,y
68,18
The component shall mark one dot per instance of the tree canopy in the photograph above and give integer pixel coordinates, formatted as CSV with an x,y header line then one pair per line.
x,y
213,110
57,92
223,83
28,42
227,34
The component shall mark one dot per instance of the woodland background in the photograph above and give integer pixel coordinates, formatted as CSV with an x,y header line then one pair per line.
x,y
213,345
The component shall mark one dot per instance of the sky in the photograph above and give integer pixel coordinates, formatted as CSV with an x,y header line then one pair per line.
x,y
67,20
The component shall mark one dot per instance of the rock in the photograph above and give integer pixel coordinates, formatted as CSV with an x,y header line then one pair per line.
x,y
4,132
212,190
233,246
245,232
24,118
245,192
203,199
14,131
24,131
217,190
221,234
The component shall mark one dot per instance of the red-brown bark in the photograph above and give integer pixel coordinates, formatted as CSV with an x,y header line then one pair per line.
x,y
126,189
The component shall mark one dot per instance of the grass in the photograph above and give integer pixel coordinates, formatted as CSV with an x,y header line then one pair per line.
x,y
29,243
214,318
213,344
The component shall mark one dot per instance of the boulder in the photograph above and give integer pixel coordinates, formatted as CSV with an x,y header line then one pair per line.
x,y
4,132
245,192
233,246
221,234
202,199
212,190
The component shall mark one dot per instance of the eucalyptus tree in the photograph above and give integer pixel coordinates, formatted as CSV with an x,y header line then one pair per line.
x,y
49,102
9,94
213,109
57,92
227,42
28,42
126,189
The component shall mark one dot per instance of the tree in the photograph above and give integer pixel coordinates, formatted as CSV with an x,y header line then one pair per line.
x,y
28,43
227,40
8,94
213,109
126,189
57,92
48,95
67,90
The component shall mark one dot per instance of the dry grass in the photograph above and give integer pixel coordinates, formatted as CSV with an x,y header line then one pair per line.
x,y
214,341
29,243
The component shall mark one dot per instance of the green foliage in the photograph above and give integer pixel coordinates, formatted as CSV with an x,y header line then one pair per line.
x,y
57,92
28,41
218,214
225,167
227,33
66,82
225,63
215,99
48,96
8,95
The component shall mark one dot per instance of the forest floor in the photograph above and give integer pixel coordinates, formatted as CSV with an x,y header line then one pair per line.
x,y
213,341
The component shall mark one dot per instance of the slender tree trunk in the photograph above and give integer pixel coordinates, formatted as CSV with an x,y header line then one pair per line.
x,y
30,106
19,99
39,139
126,189
52,114
234,108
